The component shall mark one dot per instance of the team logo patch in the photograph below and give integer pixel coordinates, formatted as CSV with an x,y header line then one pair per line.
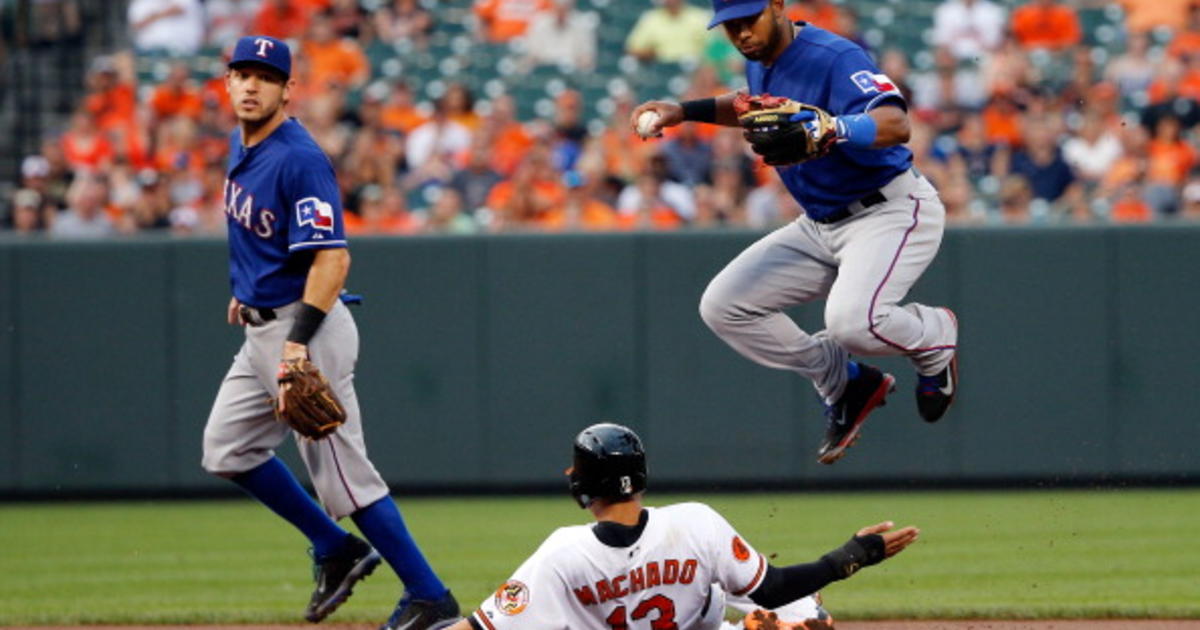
x,y
870,82
314,212
740,551
512,597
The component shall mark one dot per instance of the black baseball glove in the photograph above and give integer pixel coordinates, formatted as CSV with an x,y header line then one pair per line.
x,y
784,131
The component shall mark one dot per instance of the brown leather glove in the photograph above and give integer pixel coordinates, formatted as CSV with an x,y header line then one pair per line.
x,y
309,405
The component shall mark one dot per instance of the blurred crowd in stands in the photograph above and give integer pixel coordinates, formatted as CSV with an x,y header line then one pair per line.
x,y
1020,115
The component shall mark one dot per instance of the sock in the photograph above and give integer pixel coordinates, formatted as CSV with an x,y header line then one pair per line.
x,y
276,487
383,526
852,370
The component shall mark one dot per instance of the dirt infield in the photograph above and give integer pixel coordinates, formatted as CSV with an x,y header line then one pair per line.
x,y
1052,624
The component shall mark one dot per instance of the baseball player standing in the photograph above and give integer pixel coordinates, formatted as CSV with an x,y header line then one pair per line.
x,y
871,223
288,261
669,568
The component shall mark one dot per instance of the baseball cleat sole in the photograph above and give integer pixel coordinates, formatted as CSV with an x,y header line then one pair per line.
x,y
877,399
365,567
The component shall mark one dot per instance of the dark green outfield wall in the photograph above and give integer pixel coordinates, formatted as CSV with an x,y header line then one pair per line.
x,y
483,356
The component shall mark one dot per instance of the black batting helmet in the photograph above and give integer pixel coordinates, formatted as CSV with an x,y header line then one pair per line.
x,y
610,463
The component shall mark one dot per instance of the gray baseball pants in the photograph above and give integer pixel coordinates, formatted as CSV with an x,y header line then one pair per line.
x,y
863,265
242,432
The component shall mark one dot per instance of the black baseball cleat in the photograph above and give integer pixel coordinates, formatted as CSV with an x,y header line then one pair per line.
x,y
847,415
337,574
936,393
419,614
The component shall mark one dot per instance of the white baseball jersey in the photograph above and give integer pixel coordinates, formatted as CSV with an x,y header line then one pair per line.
x,y
664,581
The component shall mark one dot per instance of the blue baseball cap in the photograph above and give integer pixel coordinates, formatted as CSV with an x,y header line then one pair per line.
x,y
264,50
724,10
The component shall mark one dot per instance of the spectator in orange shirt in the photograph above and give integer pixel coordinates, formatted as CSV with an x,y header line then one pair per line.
x,y
822,13
84,146
1130,207
333,60
1046,24
530,196
1187,39
581,209
110,91
399,112
1170,158
1145,15
1002,121
504,20
177,96
510,140
381,211
282,19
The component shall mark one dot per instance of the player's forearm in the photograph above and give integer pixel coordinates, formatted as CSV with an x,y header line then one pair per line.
x,y
725,113
788,584
891,126
780,586
326,277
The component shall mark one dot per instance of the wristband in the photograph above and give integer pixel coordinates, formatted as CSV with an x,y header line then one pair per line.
x,y
701,110
858,552
308,320
857,130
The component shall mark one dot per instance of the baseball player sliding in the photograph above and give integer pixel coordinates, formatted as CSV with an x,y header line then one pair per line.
x,y
834,128
288,261
668,568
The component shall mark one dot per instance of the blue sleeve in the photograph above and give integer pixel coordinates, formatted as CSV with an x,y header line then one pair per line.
x,y
313,202
754,78
856,86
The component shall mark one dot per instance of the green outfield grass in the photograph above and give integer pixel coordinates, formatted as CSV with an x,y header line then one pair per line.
x,y
1126,553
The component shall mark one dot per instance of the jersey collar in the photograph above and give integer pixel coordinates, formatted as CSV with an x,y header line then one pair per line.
x,y
614,534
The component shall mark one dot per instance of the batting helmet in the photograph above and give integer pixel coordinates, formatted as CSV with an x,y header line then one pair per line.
x,y
610,463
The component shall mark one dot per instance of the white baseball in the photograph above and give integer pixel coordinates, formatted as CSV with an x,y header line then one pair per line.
x,y
645,123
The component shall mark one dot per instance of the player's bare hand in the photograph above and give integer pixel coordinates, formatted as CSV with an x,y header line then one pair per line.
x,y
669,115
234,314
292,351
894,541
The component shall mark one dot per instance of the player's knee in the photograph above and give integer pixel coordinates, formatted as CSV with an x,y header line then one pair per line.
x,y
713,310
851,328
722,314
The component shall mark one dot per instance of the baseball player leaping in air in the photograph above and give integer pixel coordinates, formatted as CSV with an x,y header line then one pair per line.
x,y
288,261
871,223
674,567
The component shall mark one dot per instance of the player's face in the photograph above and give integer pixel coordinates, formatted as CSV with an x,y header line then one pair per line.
x,y
257,93
756,36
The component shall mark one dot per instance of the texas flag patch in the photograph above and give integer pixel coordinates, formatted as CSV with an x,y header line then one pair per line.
x,y
314,212
869,82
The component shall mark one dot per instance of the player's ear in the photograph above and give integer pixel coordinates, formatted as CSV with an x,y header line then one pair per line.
x,y
287,86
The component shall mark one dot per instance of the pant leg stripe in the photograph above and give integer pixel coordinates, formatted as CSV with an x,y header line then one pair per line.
x,y
874,298
338,464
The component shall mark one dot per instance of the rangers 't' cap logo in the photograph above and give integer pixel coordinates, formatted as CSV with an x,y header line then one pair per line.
x,y
263,50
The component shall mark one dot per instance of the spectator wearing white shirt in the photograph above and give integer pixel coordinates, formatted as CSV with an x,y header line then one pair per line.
x,y
174,26
560,35
437,138
970,29
229,20
85,218
1093,150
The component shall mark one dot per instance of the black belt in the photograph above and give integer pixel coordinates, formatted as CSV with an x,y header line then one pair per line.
x,y
255,315
844,213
